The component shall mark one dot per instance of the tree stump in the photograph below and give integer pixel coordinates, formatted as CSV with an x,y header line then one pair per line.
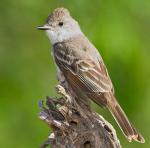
x,y
75,126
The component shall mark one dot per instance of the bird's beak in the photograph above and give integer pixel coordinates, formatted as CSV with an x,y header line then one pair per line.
x,y
45,27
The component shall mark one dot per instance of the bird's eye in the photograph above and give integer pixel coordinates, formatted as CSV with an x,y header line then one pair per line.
x,y
60,24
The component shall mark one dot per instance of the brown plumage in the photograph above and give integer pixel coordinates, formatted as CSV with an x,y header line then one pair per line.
x,y
82,67
91,76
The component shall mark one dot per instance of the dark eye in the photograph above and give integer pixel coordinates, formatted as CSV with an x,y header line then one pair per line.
x,y
60,23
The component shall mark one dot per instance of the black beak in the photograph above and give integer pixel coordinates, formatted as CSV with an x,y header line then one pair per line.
x,y
44,27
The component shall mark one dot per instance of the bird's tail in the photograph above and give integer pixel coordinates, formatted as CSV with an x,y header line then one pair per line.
x,y
127,128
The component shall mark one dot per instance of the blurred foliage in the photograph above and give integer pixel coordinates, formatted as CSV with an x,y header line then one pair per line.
x,y
119,29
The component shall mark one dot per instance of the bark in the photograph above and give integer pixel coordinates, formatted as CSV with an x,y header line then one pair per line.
x,y
75,125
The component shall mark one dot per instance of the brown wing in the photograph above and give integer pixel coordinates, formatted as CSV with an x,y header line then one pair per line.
x,y
92,78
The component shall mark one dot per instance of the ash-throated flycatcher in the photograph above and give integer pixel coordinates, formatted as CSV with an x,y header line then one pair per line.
x,y
81,66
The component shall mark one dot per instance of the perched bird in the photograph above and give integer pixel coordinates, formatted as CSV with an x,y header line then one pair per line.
x,y
81,66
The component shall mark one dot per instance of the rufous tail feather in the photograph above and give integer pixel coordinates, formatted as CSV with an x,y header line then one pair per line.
x,y
127,128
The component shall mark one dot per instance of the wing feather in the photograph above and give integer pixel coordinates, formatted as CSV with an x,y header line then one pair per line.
x,y
91,75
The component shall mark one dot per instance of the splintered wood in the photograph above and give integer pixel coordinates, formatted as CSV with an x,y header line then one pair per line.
x,y
74,126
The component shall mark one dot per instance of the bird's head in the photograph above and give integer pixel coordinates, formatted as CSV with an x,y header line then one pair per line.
x,y
60,26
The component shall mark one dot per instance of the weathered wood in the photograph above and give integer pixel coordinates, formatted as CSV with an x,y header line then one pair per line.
x,y
75,126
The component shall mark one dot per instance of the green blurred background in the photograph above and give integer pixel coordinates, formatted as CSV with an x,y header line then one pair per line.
x,y
119,29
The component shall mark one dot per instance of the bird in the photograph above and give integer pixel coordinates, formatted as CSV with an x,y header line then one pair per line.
x,y
81,66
